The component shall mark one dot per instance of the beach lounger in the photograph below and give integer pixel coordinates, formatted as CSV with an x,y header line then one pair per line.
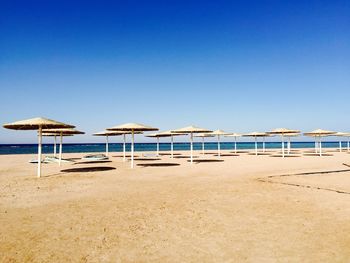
x,y
95,157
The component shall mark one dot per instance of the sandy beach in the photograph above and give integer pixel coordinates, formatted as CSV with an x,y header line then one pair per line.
x,y
245,208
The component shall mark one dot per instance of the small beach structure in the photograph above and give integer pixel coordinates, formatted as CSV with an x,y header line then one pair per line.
x,y
113,133
203,136
191,130
62,132
289,137
283,132
55,140
318,134
132,128
219,133
235,136
38,124
340,135
165,134
256,135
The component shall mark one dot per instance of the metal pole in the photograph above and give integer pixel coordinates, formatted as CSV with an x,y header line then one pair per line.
x,y
39,151
288,145
60,154
320,146
219,152
172,146
340,147
263,144
191,144
157,146
256,146
282,146
348,144
106,145
235,144
202,145
124,157
315,144
54,147
132,149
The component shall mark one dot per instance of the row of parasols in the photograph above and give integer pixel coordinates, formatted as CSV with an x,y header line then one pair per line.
x,y
48,127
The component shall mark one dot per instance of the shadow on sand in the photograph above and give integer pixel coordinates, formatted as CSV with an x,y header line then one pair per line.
x,y
317,154
206,161
226,155
184,157
147,159
88,169
158,164
93,162
286,156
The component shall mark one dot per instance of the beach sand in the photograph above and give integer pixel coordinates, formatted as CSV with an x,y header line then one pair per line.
x,y
245,209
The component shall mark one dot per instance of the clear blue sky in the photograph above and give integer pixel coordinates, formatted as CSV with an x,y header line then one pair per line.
x,y
236,65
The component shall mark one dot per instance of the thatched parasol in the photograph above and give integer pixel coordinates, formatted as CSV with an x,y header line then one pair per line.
x,y
37,124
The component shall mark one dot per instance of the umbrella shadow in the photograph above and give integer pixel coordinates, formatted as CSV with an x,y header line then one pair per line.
x,y
260,153
226,155
175,154
147,159
88,169
185,157
93,162
317,154
286,156
206,161
158,164
127,156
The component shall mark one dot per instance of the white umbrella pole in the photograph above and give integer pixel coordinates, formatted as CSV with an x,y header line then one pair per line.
x,y
219,150
263,144
55,147
39,151
256,146
106,145
172,146
132,149
60,154
348,144
315,144
289,145
191,145
203,145
124,147
157,146
320,144
340,147
282,146
235,144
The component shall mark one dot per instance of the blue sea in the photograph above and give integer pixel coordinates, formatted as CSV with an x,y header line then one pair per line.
x,y
146,147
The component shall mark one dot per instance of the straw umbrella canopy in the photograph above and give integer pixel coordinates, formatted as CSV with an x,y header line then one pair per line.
x,y
113,133
318,134
191,130
219,133
342,134
165,134
132,127
234,135
203,136
256,135
283,132
62,132
37,124
55,140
